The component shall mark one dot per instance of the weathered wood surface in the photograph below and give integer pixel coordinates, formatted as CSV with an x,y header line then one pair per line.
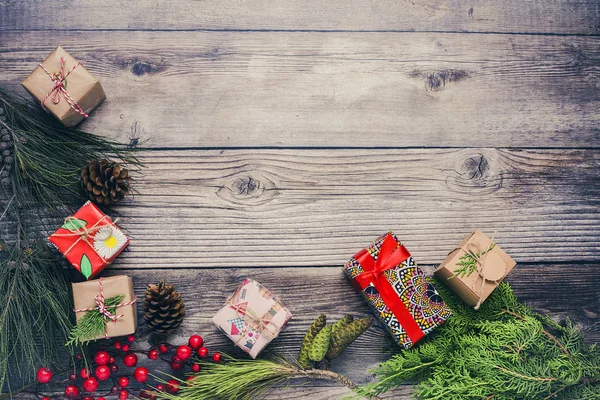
x,y
332,89
517,16
234,208
252,109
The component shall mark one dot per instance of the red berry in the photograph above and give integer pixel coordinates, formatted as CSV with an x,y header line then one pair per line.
x,y
163,348
131,338
196,341
184,352
72,391
123,382
87,398
176,363
84,373
216,357
101,358
111,360
196,367
189,378
160,387
130,360
117,345
90,384
45,398
172,386
72,377
114,368
79,356
141,374
202,352
125,348
123,394
44,375
153,354
102,372
101,398
144,394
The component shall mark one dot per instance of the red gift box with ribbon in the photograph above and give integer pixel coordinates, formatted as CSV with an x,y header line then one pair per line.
x,y
89,239
401,297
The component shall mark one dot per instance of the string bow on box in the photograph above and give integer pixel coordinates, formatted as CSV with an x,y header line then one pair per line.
x,y
59,88
391,253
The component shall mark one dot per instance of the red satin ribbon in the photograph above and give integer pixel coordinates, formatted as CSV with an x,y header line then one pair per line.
x,y
390,255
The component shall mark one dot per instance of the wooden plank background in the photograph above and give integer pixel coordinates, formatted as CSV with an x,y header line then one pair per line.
x,y
285,136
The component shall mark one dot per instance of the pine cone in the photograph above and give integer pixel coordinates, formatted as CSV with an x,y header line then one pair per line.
x,y
6,155
340,323
313,330
320,345
163,307
346,335
105,182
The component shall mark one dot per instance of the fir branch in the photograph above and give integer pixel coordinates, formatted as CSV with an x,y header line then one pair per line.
x,y
93,323
468,262
503,351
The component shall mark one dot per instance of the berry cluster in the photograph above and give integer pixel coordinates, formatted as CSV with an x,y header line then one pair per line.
x,y
105,367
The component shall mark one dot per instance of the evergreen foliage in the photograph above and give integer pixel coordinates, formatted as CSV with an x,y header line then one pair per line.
x,y
93,323
503,351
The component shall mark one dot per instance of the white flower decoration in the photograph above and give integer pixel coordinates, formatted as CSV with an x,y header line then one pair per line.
x,y
108,241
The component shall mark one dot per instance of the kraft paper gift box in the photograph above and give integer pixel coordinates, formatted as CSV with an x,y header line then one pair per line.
x,y
491,267
89,240
400,296
252,317
64,88
84,297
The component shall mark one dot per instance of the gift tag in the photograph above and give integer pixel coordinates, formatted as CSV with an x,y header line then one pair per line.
x,y
494,267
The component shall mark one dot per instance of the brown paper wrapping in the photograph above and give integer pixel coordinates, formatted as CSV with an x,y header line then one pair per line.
x,y
84,295
81,86
496,265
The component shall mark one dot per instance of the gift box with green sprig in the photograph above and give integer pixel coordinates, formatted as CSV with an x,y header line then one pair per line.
x,y
104,308
89,239
475,268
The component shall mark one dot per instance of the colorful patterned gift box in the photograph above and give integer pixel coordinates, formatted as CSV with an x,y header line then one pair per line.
x,y
89,239
252,317
475,268
397,291
64,88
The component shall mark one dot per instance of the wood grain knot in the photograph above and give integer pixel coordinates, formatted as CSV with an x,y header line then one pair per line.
x,y
475,177
140,67
436,81
248,190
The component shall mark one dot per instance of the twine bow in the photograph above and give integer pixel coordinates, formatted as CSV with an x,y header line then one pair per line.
x,y
104,310
261,323
60,87
481,262
83,233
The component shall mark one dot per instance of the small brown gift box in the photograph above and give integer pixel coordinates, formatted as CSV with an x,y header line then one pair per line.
x,y
84,296
491,268
64,88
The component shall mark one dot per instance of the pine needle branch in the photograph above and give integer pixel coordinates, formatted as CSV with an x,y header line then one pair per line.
x,y
93,323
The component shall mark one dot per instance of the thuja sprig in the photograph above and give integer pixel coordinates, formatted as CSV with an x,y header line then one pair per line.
x,y
468,262
93,323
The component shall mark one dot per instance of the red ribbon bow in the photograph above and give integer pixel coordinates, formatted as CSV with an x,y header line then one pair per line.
x,y
60,82
391,254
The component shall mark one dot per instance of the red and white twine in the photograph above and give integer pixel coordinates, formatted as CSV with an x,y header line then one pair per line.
x,y
59,78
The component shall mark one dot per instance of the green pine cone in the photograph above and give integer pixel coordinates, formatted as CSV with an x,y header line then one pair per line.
x,y
340,323
312,331
320,345
344,336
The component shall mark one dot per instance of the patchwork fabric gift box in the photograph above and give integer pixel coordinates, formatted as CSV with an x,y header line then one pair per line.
x,y
89,239
475,268
397,291
90,296
64,88
252,317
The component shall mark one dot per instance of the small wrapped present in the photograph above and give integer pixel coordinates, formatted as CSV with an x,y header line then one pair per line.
x,y
252,317
475,268
397,291
112,299
64,88
89,239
